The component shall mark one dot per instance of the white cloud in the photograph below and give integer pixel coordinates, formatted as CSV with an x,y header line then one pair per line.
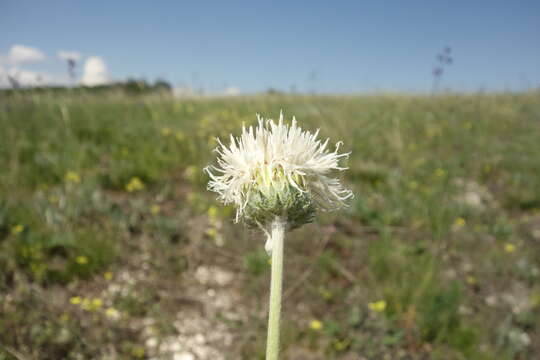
x,y
28,78
3,77
67,55
19,54
95,72
232,91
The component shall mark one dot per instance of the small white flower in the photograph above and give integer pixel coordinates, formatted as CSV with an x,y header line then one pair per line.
x,y
277,170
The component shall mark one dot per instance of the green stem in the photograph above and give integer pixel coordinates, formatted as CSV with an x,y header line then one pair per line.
x,y
277,235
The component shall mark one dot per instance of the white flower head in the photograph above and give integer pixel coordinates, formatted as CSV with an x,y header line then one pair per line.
x,y
277,170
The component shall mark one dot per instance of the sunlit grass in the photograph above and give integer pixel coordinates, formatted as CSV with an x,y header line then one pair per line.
x,y
103,203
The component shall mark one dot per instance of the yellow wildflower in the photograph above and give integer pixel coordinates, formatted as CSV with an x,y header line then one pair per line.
x,y
112,313
73,177
459,222
471,280
341,345
212,232
97,303
108,275
155,209
81,260
75,300
138,351
316,325
440,172
212,213
165,131
377,306
17,229
509,247
135,184
86,304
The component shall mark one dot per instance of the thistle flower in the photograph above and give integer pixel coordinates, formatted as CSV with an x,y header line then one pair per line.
x,y
277,176
277,170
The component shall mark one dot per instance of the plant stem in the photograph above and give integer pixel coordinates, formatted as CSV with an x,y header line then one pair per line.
x,y
272,341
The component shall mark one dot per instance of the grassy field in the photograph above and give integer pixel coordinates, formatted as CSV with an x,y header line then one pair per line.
x,y
111,248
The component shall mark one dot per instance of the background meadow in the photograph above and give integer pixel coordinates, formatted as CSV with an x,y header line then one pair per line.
x,y
111,247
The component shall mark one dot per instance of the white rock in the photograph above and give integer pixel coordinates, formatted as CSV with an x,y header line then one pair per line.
x,y
184,356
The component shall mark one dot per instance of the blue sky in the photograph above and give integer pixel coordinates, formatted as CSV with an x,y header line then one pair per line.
x,y
326,46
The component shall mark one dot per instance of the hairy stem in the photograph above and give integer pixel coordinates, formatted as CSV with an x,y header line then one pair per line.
x,y
277,235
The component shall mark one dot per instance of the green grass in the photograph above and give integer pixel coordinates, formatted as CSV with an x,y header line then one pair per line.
x,y
103,197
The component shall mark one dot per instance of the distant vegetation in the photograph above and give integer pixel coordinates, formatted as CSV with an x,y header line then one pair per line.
x,y
111,247
128,87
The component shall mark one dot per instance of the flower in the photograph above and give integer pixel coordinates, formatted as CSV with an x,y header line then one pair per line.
x,y
316,325
277,170
155,209
138,351
440,172
341,345
112,313
75,300
509,247
17,229
134,184
97,303
377,306
459,223
86,304
211,232
73,177
212,214
81,260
